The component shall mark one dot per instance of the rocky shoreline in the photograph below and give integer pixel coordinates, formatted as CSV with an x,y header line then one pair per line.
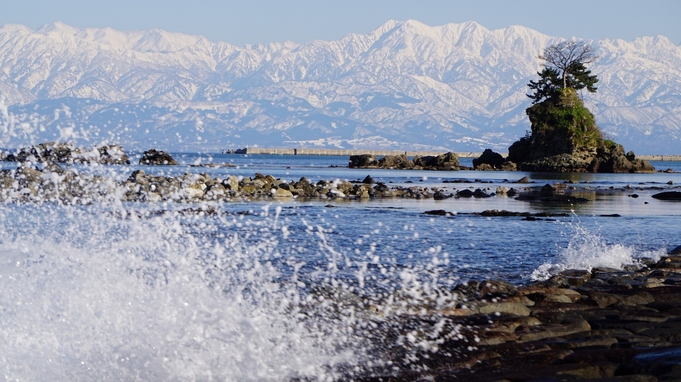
x,y
597,325
53,183
601,324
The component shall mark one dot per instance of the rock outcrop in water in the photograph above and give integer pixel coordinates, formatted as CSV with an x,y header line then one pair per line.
x,y
565,138
443,162
157,158
60,152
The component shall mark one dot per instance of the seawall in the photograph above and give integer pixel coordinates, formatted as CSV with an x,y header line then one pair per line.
x,y
341,152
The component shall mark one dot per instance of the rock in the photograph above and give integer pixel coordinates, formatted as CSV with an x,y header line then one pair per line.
x,y
64,152
438,213
668,195
112,154
675,251
493,159
443,162
154,157
368,180
464,194
448,161
524,179
362,161
398,162
280,193
504,307
565,138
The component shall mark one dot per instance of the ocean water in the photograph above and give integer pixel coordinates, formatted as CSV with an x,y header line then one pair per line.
x,y
285,290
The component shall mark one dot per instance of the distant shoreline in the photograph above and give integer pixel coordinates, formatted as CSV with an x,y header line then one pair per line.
x,y
348,152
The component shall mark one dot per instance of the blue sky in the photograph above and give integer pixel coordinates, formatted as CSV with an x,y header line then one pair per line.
x,y
241,22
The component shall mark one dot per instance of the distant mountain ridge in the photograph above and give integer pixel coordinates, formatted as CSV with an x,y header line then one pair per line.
x,y
405,85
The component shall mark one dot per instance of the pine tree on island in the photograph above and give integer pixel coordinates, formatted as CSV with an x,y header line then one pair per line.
x,y
564,135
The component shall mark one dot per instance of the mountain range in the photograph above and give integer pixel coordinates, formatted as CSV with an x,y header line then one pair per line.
x,y
405,85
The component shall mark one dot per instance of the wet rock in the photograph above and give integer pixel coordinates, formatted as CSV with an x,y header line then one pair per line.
x,y
668,195
438,213
155,157
464,194
675,251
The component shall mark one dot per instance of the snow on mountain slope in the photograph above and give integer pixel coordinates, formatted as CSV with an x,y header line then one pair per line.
x,y
404,85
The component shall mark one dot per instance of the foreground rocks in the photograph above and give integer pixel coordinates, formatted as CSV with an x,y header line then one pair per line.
x,y
59,152
603,324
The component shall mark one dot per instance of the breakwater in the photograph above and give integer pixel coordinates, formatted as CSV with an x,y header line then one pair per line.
x,y
669,158
343,152
348,152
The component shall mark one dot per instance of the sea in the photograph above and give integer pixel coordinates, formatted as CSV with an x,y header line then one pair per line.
x,y
283,290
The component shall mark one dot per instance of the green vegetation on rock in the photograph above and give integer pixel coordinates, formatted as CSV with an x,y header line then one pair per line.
x,y
564,135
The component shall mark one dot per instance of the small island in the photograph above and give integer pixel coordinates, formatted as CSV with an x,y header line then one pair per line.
x,y
564,136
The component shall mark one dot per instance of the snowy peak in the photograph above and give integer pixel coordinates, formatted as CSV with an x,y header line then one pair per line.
x,y
405,84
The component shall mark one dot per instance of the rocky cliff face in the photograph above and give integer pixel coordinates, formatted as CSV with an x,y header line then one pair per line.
x,y
565,138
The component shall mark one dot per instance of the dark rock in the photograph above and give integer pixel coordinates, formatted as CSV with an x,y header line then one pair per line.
x,y
443,162
438,213
668,195
675,251
464,194
155,157
368,180
362,161
439,195
490,158
479,193
398,162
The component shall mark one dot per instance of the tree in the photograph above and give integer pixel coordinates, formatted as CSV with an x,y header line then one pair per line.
x,y
565,67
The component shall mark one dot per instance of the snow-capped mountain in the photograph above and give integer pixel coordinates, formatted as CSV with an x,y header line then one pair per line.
x,y
405,85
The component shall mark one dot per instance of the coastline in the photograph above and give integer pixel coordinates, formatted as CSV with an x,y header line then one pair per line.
x,y
348,152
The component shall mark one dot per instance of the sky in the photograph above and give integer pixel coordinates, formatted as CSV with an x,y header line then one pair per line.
x,y
262,21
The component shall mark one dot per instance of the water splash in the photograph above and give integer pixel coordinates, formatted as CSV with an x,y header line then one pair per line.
x,y
120,292
588,249
91,296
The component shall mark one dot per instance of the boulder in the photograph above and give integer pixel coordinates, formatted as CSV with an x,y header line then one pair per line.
x,y
362,161
399,162
668,195
155,157
493,159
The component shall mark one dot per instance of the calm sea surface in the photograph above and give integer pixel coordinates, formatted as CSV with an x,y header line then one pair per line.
x,y
165,291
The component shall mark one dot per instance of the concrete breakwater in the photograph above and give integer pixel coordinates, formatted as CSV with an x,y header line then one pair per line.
x,y
348,152
666,158
342,152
